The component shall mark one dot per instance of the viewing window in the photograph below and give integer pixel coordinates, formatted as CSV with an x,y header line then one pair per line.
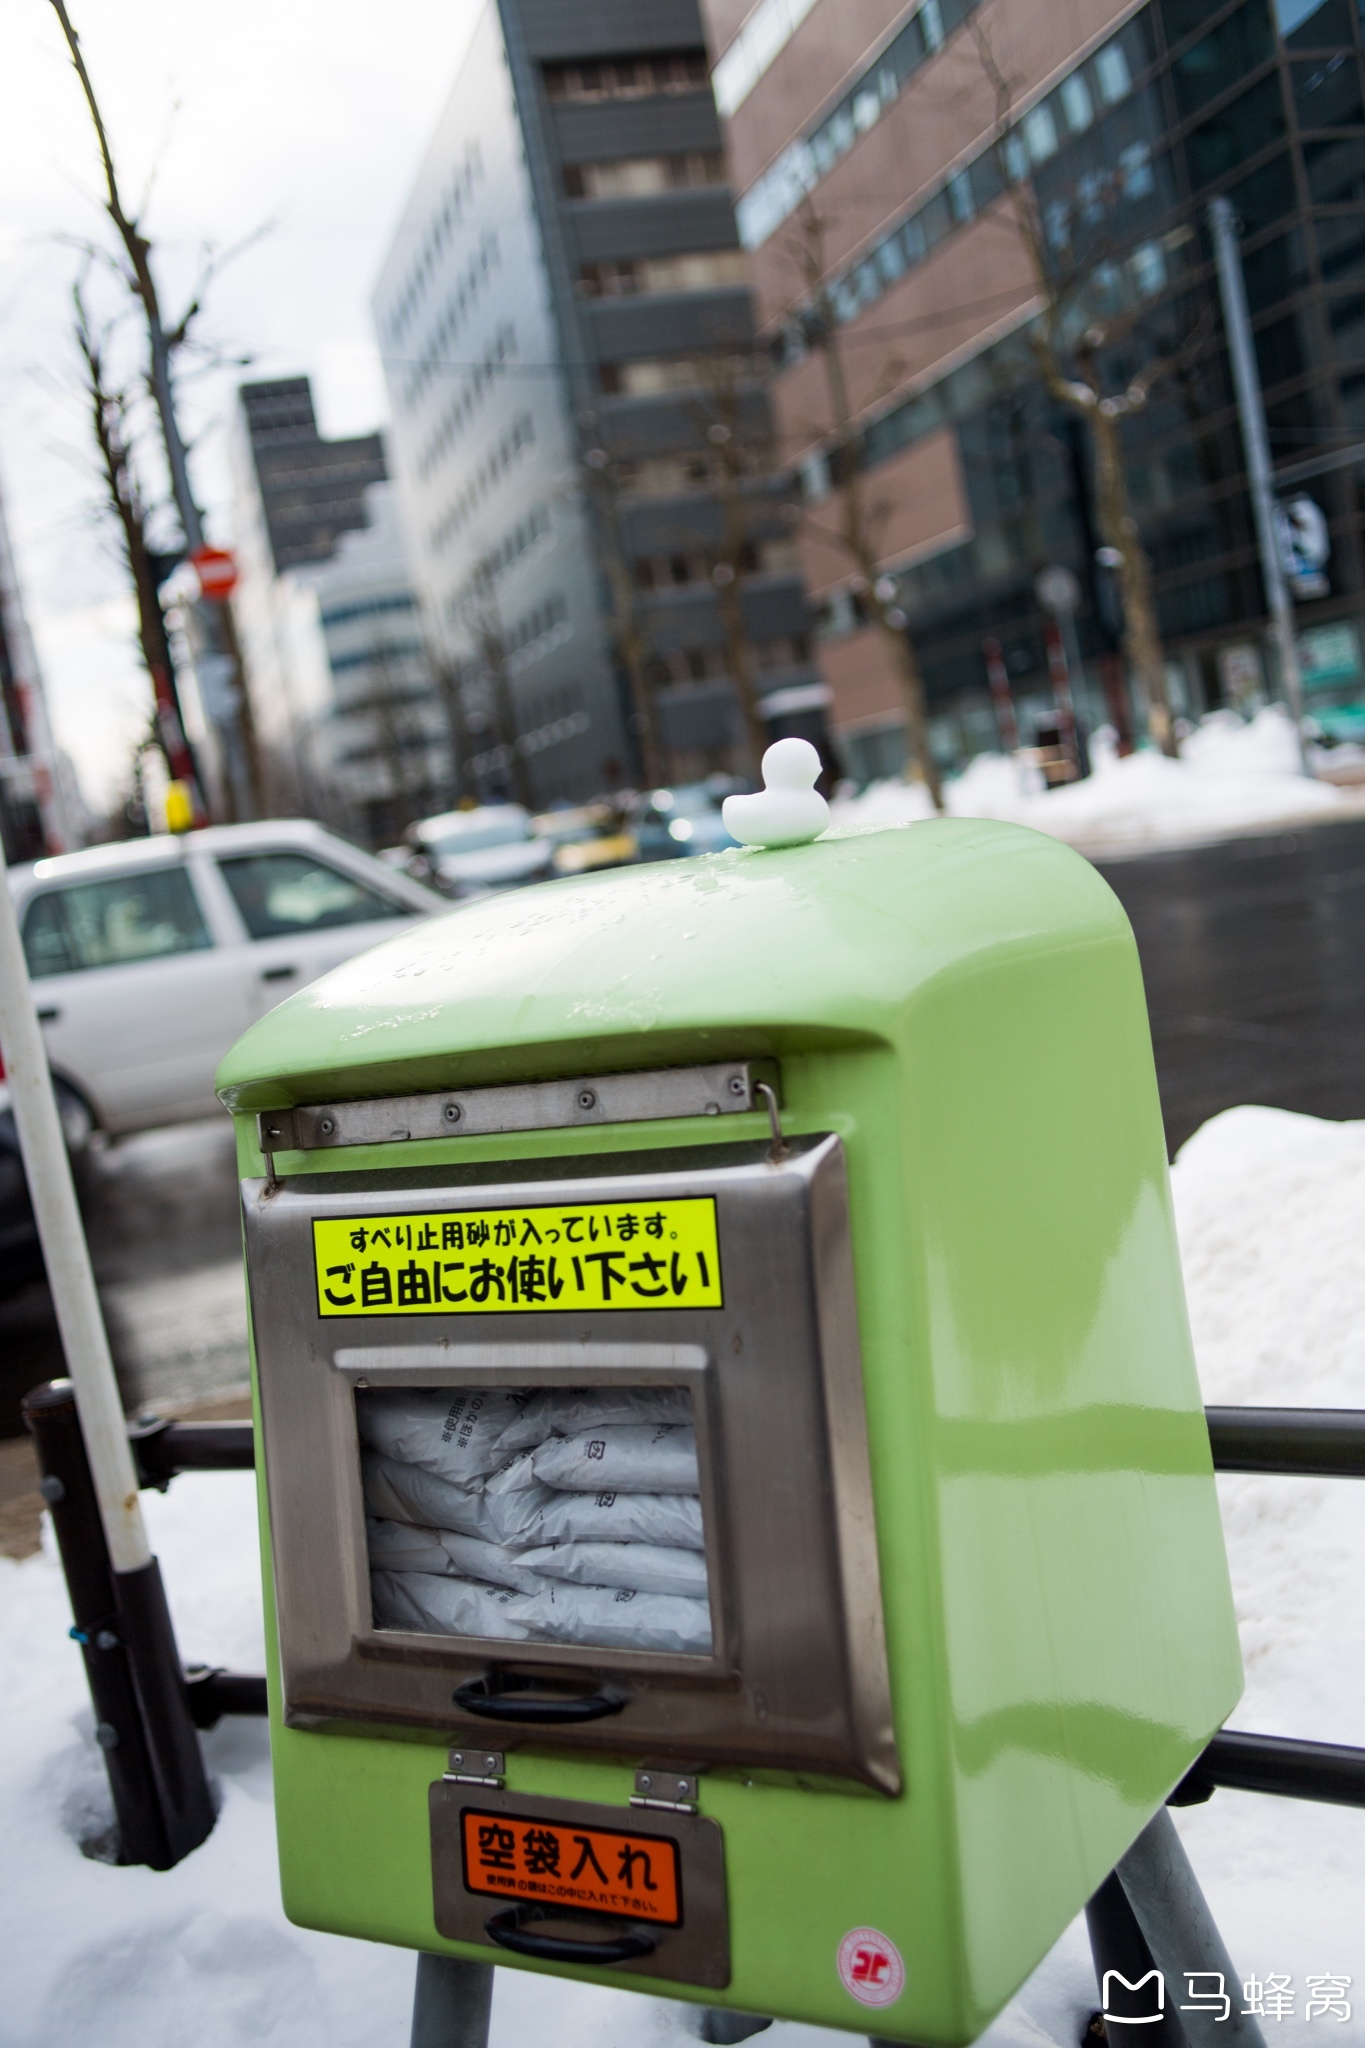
x,y
552,1515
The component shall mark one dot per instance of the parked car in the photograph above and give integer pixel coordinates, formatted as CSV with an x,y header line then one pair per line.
x,y
472,853
586,837
672,822
151,957
21,1258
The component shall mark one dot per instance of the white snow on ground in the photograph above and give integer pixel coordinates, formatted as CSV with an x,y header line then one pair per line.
x,y
1272,1220
1231,776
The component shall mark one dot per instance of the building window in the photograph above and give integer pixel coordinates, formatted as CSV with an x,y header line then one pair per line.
x,y
662,476
704,270
1115,79
642,177
657,375
627,78
1077,104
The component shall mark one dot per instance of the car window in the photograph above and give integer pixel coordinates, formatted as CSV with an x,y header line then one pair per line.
x,y
113,923
280,894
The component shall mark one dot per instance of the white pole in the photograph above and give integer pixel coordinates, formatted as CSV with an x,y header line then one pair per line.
x,y
64,1248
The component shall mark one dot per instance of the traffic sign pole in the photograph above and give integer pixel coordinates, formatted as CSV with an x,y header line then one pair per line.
x,y
1256,448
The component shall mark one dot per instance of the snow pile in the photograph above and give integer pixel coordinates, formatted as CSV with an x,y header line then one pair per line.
x,y
1231,776
1271,1210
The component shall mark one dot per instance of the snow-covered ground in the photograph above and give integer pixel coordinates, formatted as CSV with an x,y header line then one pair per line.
x,y
1272,1219
1232,776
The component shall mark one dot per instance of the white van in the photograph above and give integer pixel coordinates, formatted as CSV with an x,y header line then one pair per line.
x,y
150,958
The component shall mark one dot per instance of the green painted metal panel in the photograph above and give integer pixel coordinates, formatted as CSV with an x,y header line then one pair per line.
x,y
962,1004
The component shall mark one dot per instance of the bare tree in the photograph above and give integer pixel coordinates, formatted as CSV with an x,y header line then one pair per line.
x,y
850,519
482,619
1074,343
401,737
109,418
602,475
447,672
163,345
739,469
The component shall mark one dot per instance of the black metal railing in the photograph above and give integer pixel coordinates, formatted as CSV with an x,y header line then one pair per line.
x,y
1323,1442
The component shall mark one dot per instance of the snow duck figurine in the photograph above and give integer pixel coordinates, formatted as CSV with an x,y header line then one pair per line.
x,y
788,810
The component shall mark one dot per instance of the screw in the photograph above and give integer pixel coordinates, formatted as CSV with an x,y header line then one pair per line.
x,y
490,1764
327,1125
646,1782
738,1085
587,1098
451,1112
106,1640
52,1489
106,1734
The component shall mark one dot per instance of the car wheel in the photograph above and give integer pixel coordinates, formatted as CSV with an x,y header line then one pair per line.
x,y
78,1122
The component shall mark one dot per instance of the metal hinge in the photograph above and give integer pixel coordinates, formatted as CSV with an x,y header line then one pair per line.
x,y
475,1767
666,1791
730,1088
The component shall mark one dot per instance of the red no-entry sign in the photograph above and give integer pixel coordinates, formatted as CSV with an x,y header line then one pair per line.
x,y
216,569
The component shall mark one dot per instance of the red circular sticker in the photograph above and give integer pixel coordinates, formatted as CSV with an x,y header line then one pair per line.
x,y
870,1967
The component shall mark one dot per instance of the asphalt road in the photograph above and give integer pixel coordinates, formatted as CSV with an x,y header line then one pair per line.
x,y
1253,954
1254,957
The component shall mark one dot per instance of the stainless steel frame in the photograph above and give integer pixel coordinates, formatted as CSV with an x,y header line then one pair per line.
x,y
797,1679
723,1090
698,1952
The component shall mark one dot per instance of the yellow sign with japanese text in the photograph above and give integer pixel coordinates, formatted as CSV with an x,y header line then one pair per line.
x,y
528,1261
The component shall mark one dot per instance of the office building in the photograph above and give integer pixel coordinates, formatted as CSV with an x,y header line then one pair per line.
x,y
873,151
39,806
351,722
567,333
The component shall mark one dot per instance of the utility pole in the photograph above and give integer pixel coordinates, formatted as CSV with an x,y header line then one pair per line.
x,y
1256,448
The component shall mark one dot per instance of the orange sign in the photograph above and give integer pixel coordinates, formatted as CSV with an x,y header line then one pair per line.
x,y
507,1857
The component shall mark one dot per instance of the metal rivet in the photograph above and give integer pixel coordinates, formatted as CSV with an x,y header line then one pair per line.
x,y
327,1125
52,1489
106,1640
106,1734
587,1098
738,1085
451,1112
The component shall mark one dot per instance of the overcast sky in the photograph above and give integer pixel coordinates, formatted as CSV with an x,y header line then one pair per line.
x,y
306,115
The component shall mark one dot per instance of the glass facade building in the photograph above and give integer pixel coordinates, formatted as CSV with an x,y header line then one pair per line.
x,y
1262,102
1123,142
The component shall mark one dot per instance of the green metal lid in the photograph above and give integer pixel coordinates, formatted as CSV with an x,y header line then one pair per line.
x,y
729,955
